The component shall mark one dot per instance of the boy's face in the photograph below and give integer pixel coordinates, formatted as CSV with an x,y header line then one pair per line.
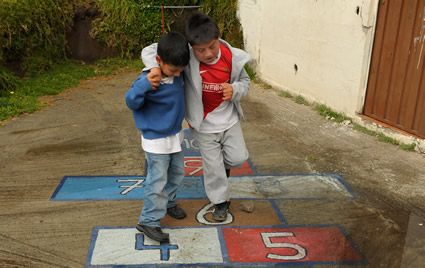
x,y
207,52
169,70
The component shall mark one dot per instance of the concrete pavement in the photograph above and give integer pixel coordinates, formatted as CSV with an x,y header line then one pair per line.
x,y
88,131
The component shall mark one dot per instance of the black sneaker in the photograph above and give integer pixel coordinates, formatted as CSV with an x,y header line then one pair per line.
x,y
153,232
176,212
220,211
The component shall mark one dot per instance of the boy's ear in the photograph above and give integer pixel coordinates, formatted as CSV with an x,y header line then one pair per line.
x,y
158,59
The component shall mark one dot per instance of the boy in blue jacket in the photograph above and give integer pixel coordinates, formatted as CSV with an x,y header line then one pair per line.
x,y
158,110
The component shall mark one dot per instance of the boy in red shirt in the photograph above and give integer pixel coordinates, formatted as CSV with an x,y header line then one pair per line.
x,y
215,82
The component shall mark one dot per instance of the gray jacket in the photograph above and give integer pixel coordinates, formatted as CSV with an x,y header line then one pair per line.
x,y
193,82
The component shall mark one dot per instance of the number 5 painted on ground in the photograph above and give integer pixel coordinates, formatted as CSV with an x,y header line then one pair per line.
x,y
302,252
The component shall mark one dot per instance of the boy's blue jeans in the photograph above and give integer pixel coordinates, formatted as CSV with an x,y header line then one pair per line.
x,y
164,175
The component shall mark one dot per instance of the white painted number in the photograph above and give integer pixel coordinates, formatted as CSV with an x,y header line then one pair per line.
x,y
138,184
301,251
190,144
200,216
196,164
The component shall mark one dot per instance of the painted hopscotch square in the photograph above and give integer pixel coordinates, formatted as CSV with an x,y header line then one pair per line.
x,y
326,244
193,159
241,187
281,187
223,246
193,167
190,146
117,188
127,246
198,213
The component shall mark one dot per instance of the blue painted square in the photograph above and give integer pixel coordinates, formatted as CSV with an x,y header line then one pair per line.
x,y
190,145
117,188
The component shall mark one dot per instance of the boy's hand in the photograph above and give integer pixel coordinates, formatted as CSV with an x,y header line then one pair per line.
x,y
227,91
154,77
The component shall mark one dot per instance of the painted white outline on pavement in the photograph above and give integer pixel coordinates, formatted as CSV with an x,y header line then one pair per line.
x,y
200,216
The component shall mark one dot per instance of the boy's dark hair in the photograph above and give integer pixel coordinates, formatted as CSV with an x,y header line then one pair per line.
x,y
173,49
201,28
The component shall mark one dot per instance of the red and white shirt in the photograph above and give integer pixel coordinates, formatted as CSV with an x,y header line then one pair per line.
x,y
219,115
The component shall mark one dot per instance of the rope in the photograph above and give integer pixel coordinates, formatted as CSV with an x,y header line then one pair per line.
x,y
162,12
163,24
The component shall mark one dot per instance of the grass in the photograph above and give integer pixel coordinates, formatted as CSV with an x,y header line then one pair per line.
x,y
312,158
339,117
285,94
62,76
380,136
267,86
325,111
252,74
408,147
300,100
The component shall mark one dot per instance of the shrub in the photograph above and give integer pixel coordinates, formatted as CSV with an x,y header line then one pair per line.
x,y
129,25
8,82
34,32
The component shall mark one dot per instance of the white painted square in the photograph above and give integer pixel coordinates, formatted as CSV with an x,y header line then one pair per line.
x,y
118,247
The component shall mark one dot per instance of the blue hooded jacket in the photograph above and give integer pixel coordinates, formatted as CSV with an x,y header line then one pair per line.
x,y
157,113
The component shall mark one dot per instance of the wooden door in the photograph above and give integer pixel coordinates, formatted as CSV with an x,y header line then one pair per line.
x,y
396,87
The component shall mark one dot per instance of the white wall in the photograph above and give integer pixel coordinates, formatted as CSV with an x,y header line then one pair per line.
x,y
328,41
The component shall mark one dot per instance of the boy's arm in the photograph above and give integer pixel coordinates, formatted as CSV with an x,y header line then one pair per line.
x,y
135,96
240,87
148,56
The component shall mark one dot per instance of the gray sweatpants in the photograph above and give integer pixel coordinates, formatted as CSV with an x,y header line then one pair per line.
x,y
220,151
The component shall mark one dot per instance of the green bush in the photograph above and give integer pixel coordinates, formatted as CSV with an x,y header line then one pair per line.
x,y
34,32
129,25
8,82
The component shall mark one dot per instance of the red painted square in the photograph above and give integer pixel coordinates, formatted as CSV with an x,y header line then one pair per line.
x,y
193,167
301,244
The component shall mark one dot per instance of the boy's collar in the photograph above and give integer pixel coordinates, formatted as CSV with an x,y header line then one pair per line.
x,y
167,80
